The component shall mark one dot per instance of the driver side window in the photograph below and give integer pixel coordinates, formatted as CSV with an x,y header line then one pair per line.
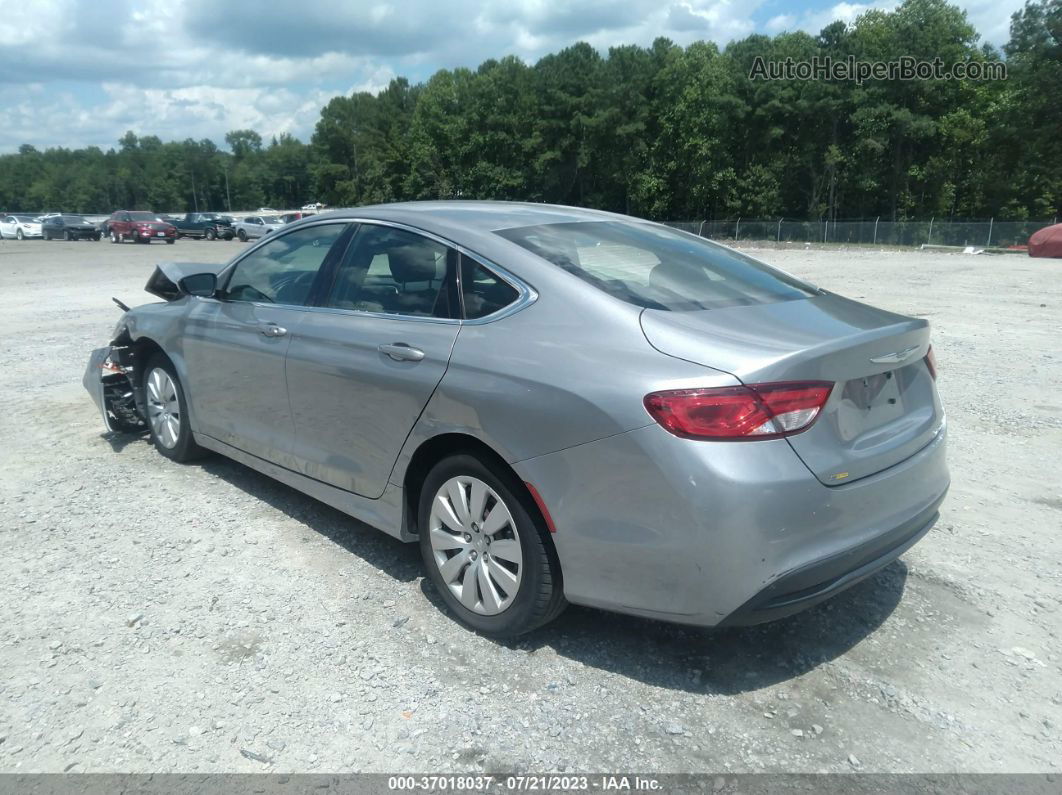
x,y
283,270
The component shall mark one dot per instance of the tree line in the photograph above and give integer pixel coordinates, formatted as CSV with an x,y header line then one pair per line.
x,y
662,132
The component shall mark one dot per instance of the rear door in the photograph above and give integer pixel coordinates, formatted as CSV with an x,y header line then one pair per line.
x,y
235,345
362,366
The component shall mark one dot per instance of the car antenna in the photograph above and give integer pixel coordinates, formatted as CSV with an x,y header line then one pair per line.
x,y
121,306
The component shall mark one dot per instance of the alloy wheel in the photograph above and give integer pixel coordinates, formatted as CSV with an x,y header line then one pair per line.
x,y
475,545
164,409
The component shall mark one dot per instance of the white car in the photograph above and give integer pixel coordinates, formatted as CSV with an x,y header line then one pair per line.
x,y
266,210
313,206
257,226
20,227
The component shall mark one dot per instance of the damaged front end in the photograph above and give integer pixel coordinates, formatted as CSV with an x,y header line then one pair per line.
x,y
110,380
113,376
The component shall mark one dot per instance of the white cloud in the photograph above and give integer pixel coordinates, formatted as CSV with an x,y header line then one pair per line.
x,y
780,23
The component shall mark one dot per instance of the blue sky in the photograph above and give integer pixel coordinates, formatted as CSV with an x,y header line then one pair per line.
x,y
82,73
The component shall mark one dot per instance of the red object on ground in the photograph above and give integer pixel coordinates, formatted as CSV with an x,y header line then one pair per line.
x,y
1047,242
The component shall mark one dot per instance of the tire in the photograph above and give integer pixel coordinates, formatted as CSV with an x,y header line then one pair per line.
x,y
167,412
537,596
19,235
45,236
67,236
115,237
210,234
242,236
96,237
170,241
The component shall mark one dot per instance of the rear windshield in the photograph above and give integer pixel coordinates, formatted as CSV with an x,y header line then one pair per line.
x,y
74,219
143,216
656,267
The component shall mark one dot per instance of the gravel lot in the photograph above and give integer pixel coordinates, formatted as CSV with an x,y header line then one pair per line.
x,y
159,617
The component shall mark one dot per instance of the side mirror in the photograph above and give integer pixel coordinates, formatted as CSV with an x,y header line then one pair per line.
x,y
205,285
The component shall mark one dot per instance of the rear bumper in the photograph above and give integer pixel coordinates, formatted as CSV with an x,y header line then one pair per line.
x,y
822,579
708,534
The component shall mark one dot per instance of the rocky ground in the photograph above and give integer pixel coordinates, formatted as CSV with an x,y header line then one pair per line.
x,y
159,617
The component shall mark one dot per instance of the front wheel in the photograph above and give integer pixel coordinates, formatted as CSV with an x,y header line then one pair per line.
x,y
242,236
67,236
19,235
210,234
167,411
486,550
115,238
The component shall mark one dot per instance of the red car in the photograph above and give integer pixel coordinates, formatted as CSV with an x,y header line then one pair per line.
x,y
140,226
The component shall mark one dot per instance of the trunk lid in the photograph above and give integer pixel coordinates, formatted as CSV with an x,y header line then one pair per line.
x,y
883,407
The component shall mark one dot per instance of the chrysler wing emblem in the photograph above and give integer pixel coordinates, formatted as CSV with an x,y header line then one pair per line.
x,y
895,356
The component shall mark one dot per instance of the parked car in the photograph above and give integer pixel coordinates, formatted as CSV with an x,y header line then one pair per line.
x,y
68,227
140,226
20,227
256,226
298,215
209,226
558,404
313,206
266,210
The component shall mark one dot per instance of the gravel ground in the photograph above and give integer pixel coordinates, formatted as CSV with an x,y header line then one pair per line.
x,y
159,617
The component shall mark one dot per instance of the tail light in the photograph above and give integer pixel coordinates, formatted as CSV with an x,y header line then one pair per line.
x,y
757,411
931,362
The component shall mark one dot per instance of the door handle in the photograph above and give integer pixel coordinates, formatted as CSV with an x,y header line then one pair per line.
x,y
272,330
400,351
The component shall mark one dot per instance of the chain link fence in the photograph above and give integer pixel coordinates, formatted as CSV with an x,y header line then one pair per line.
x,y
983,234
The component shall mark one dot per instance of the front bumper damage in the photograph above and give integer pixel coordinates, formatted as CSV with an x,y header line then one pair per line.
x,y
109,380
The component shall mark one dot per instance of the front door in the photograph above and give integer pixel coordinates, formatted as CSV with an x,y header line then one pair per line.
x,y
362,366
235,344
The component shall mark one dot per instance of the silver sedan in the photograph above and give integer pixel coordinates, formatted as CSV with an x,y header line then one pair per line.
x,y
559,405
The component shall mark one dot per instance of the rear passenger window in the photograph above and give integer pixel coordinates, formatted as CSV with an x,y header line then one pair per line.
x,y
395,272
483,292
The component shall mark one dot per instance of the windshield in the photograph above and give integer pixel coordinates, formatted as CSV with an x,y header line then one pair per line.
x,y
26,219
144,216
657,267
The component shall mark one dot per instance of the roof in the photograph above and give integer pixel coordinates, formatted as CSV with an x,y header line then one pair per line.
x,y
478,216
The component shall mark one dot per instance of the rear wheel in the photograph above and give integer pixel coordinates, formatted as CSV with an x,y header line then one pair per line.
x,y
242,236
486,550
170,241
167,412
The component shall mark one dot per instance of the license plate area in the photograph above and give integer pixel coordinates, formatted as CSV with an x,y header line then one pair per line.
x,y
871,401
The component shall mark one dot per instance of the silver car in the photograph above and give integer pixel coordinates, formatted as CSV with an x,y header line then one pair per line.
x,y
255,226
559,405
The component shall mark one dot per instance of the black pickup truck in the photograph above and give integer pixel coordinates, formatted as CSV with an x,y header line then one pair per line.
x,y
210,226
